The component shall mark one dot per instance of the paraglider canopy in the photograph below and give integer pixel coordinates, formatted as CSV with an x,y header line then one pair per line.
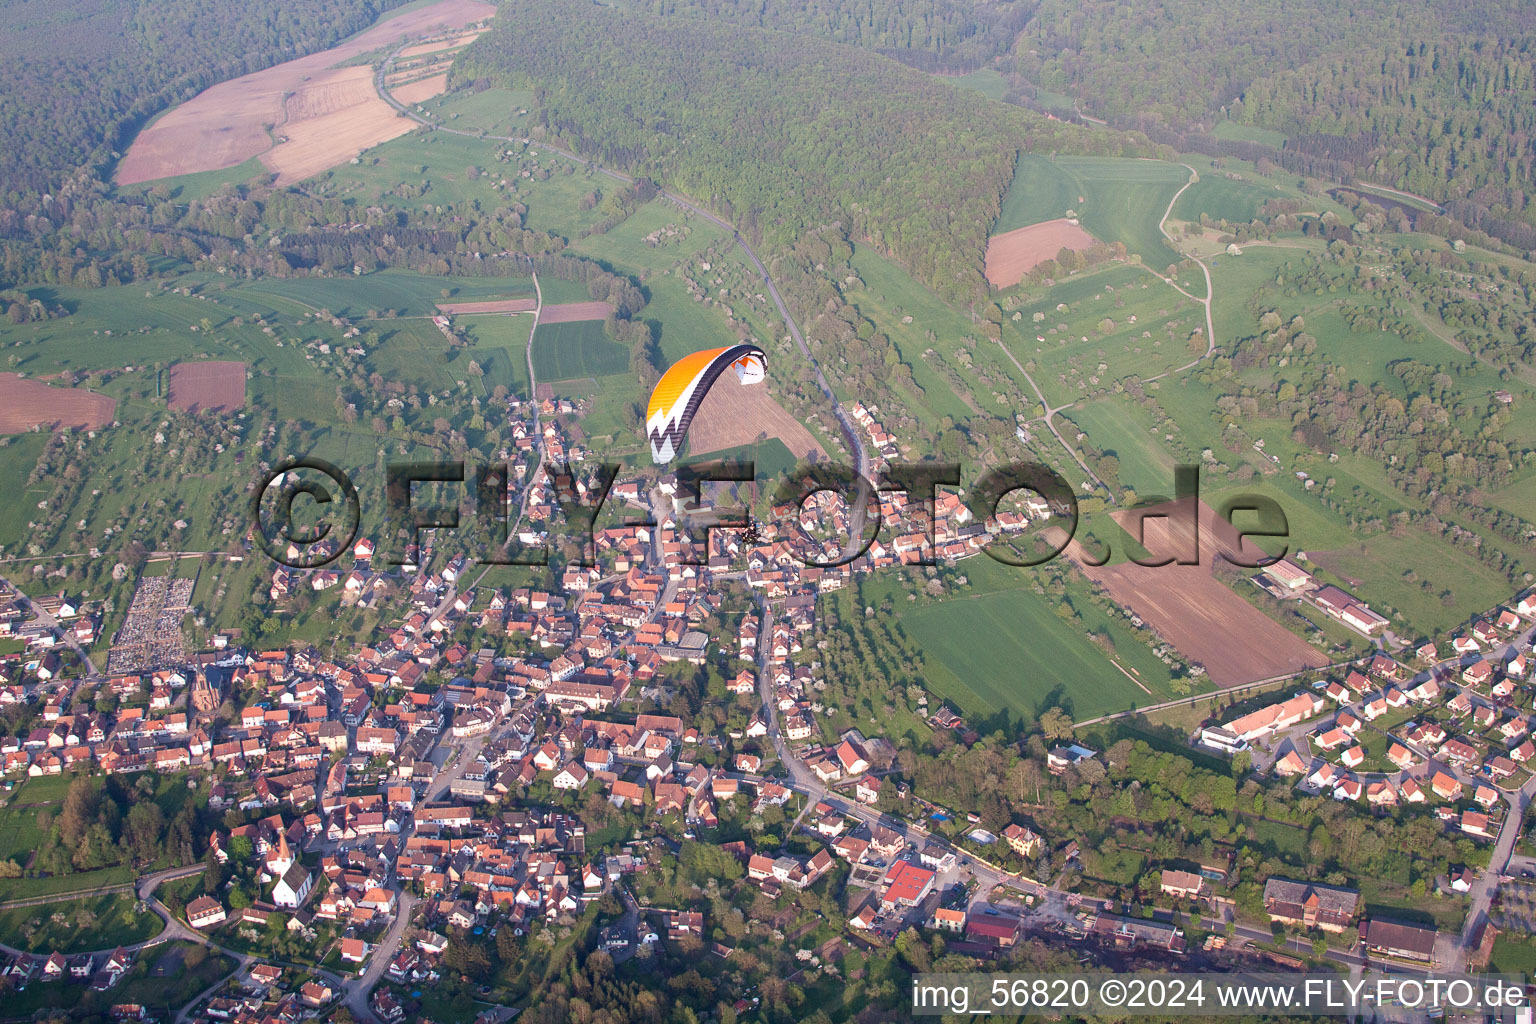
x,y
682,389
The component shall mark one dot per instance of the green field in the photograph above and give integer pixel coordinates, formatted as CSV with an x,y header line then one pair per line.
x,y
1221,198
773,461
681,325
19,834
75,926
579,349
988,81
1513,956
1041,190
407,293
1120,428
1125,202
1248,133
1002,646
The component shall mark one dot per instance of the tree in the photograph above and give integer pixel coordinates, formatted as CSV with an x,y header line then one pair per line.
x,y
146,826
1056,724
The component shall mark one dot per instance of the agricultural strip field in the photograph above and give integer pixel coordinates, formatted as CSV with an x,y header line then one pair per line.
x,y
493,306
574,312
327,113
1015,253
25,404
1209,623
565,351
1041,190
1000,646
216,386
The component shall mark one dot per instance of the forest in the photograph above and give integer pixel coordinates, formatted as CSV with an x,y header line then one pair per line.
x,y
740,119
1433,98
82,78
948,36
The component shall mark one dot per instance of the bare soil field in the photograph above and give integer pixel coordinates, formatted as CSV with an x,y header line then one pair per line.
x,y
330,119
421,89
570,312
734,414
207,387
1199,615
227,124
1013,254
494,306
449,43
25,404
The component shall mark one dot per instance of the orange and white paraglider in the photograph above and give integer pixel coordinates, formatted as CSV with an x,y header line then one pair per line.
x,y
682,388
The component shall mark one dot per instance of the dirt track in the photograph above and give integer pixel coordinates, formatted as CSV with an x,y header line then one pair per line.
x,y
733,414
26,403
1191,609
1015,253
227,124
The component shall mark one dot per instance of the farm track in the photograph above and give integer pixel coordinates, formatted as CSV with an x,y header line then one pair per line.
x,y
1210,289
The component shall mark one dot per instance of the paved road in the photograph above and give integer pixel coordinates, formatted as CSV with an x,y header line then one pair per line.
x,y
356,990
64,634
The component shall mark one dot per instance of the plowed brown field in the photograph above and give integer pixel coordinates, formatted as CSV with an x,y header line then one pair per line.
x,y
734,414
25,404
1015,253
328,119
216,386
570,312
1199,615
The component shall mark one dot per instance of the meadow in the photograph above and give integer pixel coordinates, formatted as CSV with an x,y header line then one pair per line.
x,y
1220,198
73,926
1147,332
20,835
1248,133
1001,644
1041,190
1125,200
577,349
988,81
1120,428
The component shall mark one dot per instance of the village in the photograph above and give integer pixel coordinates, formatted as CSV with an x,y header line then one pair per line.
x,y
376,786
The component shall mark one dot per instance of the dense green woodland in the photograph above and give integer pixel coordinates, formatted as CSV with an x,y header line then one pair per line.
x,y
744,119
934,35
1438,99
1435,98
81,77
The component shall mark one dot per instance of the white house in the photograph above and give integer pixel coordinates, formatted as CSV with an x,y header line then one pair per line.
x,y
293,888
